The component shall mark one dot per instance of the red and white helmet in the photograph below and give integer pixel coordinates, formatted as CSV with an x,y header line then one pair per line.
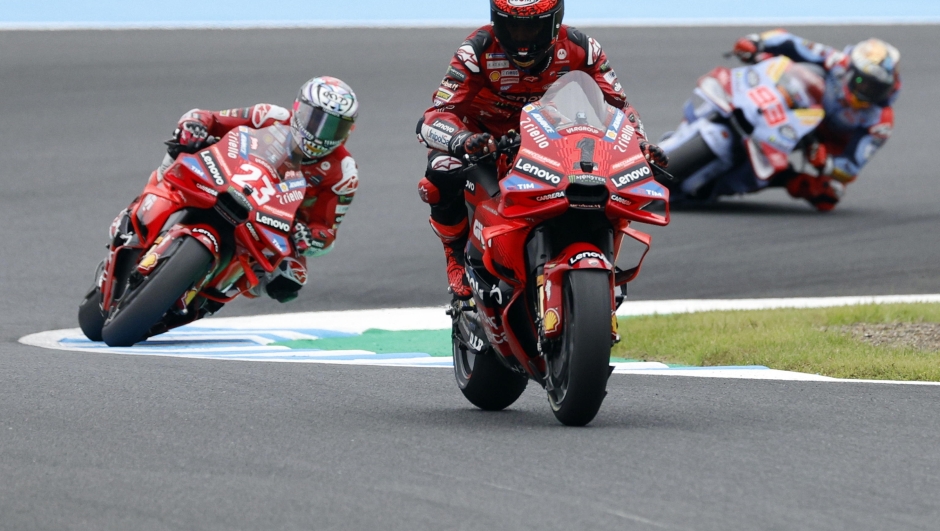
x,y
324,113
527,29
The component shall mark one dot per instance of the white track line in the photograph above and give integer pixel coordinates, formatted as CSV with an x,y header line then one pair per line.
x,y
264,329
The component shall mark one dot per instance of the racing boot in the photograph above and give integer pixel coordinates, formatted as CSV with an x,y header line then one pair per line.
x,y
454,238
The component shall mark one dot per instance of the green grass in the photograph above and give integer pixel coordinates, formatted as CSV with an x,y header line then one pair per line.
x,y
793,340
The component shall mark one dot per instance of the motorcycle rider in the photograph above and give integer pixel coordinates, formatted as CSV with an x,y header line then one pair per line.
x,y
862,82
320,121
497,70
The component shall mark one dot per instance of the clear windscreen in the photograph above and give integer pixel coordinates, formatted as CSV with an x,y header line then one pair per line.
x,y
576,99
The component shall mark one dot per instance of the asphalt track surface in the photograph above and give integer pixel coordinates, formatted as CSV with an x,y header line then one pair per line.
x,y
90,441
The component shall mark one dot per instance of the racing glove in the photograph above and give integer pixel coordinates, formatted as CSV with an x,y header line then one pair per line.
x,y
306,243
822,192
472,145
748,48
189,137
818,157
654,154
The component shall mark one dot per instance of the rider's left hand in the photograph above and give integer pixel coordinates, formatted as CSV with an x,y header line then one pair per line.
x,y
654,154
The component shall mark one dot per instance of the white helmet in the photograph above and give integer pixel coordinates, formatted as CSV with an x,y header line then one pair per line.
x,y
324,113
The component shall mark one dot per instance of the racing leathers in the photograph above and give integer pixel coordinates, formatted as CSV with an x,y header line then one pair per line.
x,y
331,184
484,92
848,136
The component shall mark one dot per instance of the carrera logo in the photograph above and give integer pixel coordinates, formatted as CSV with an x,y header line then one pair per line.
x,y
548,197
584,255
274,223
213,167
631,175
538,171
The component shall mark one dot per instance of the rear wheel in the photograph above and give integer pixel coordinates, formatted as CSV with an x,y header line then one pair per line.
x,y
578,372
483,380
143,306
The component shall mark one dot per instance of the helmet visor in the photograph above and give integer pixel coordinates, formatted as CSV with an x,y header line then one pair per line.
x,y
526,38
315,124
868,88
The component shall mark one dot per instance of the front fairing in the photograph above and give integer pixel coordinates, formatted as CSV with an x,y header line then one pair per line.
x,y
778,111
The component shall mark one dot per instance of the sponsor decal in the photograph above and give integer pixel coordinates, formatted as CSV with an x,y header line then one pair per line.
x,y
290,197
350,181
478,231
548,197
610,77
605,67
551,321
562,54
470,186
615,124
468,57
533,130
251,229
533,169
631,175
582,129
148,262
446,164
449,85
494,76
496,65
456,74
278,241
539,157
233,145
788,132
209,236
753,78
523,3
193,164
342,209
650,189
626,135
617,199
596,52
515,183
531,79
243,143
627,162
587,179
496,56
239,198
585,255
263,112
207,190
444,95
270,221
444,126
547,127
213,166
510,73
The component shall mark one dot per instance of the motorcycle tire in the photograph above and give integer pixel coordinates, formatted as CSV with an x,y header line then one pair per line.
x,y
90,316
580,370
142,307
685,160
484,381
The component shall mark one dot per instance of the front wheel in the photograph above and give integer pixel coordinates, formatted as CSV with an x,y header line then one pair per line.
x,y
143,306
578,372
90,315
483,380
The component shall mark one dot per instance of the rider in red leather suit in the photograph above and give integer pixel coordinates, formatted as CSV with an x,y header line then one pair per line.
x,y
495,72
330,171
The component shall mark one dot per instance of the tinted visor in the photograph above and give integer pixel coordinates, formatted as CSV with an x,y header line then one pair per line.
x,y
318,125
868,88
525,39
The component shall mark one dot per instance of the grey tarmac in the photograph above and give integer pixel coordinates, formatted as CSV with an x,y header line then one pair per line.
x,y
90,441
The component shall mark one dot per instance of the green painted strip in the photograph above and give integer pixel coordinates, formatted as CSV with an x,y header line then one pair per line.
x,y
432,342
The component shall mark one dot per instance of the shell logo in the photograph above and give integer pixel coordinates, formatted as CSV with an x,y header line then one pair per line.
x,y
551,321
495,76
148,261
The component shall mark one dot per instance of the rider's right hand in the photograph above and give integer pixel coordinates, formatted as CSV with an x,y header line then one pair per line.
x,y
748,47
472,145
189,137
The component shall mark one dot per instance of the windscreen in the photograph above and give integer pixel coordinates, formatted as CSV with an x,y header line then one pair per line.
x,y
576,99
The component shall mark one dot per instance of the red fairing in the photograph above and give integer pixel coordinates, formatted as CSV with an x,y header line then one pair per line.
x,y
331,181
483,91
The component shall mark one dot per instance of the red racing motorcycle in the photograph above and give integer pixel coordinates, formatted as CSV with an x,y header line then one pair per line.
x,y
547,228
198,236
